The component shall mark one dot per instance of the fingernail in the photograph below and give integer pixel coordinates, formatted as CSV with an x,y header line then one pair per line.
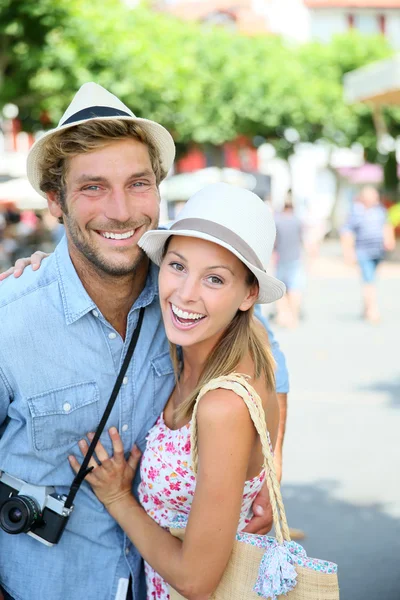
x,y
90,435
81,444
35,266
259,510
113,430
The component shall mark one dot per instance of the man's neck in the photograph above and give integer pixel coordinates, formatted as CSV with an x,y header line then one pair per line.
x,y
113,295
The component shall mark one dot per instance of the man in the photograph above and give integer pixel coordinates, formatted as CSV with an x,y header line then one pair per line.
x,y
366,237
65,331
289,264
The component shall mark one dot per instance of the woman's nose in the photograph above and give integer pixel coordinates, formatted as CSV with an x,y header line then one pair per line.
x,y
189,290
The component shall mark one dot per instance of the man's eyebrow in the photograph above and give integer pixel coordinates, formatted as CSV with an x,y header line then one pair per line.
x,y
85,177
207,268
145,173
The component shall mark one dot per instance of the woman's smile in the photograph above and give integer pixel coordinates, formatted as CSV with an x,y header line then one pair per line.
x,y
183,319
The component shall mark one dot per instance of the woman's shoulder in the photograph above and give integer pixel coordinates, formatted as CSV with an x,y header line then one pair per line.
x,y
222,402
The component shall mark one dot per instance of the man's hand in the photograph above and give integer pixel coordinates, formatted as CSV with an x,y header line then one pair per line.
x,y
262,521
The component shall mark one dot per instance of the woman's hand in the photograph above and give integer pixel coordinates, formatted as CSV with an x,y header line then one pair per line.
x,y
112,479
20,265
262,521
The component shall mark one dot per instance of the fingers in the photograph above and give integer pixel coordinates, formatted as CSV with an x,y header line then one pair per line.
x,y
258,525
36,259
6,274
20,265
118,447
83,447
134,458
101,452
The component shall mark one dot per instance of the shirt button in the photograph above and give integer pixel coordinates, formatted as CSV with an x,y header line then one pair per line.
x,y
95,313
125,427
67,407
127,550
112,335
125,380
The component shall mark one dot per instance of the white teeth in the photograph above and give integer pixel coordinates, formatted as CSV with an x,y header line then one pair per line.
x,y
185,315
117,236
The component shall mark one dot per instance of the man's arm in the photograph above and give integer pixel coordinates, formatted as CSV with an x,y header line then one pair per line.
x,y
281,374
282,388
261,523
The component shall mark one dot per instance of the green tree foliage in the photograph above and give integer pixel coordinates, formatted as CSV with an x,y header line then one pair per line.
x,y
24,29
206,85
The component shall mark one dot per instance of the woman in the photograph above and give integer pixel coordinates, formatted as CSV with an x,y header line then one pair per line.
x,y
212,272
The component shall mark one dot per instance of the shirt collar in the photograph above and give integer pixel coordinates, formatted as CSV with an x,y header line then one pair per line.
x,y
76,301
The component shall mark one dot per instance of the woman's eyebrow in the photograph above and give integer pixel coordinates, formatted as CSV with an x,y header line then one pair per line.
x,y
221,267
208,268
177,254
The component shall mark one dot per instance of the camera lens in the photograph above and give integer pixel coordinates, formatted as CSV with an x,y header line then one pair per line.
x,y
18,514
15,515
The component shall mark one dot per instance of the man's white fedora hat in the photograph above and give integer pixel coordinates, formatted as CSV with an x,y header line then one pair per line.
x,y
232,217
93,102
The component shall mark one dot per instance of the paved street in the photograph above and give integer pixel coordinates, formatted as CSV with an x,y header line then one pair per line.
x,y
342,452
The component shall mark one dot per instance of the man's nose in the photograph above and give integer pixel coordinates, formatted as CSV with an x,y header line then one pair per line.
x,y
118,206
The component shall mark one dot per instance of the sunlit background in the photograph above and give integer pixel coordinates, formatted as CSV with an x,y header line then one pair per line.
x,y
271,95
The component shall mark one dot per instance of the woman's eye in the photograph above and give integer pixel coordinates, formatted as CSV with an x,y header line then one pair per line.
x,y
215,280
176,266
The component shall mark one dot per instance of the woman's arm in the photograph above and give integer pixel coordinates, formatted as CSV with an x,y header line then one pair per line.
x,y
195,566
20,265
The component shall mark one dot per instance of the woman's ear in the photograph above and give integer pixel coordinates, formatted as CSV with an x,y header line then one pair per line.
x,y
250,298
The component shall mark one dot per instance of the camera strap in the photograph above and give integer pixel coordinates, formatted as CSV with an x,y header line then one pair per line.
x,y
85,470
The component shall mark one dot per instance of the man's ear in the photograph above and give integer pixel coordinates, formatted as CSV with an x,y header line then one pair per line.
x,y
250,298
54,205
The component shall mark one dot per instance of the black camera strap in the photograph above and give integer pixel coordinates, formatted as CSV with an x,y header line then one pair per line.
x,y
84,470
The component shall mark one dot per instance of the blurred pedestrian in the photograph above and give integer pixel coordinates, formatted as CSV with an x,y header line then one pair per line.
x,y
366,237
289,263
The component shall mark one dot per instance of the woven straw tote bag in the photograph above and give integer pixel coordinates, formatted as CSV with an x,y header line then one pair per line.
x,y
263,566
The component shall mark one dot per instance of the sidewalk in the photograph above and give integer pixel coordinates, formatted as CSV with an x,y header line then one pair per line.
x,y
341,454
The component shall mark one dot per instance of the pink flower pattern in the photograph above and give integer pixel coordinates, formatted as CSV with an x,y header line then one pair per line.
x,y
168,484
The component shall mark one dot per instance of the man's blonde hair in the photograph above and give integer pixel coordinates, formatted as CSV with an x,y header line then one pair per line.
x,y
87,137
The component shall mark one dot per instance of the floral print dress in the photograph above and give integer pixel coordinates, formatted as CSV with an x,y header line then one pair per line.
x,y
167,488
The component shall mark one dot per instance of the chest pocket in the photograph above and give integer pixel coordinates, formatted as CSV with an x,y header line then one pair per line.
x,y
163,381
62,416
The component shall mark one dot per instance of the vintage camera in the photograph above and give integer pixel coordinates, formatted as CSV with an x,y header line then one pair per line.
x,y
36,510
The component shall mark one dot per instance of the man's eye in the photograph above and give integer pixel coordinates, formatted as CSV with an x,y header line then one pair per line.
x,y
139,183
91,188
177,266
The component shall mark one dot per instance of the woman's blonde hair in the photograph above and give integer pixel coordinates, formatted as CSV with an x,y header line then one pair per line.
x,y
87,137
242,336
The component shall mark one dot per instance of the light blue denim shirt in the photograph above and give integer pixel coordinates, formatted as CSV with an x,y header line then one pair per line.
x,y
281,373
59,359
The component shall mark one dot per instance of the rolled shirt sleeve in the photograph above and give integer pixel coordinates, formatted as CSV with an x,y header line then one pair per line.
x,y
282,374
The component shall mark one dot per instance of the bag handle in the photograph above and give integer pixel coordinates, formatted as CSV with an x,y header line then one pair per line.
x,y
239,384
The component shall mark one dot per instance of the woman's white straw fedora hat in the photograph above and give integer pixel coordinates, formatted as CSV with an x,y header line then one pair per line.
x,y
232,217
93,102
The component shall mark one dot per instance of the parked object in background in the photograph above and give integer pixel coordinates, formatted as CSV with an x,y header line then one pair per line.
x,y
366,237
